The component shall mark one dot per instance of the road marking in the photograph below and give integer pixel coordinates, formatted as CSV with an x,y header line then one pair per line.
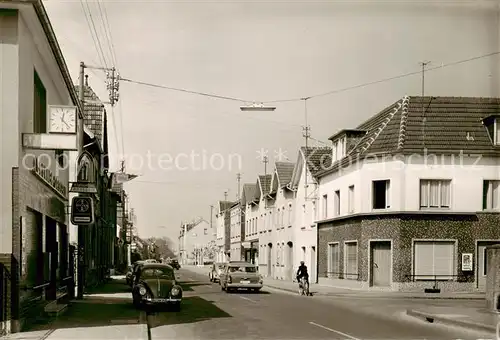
x,y
245,298
333,330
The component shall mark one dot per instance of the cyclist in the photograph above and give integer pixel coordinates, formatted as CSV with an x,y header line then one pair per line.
x,y
302,273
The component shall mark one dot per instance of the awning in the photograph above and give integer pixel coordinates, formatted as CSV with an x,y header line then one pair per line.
x,y
245,244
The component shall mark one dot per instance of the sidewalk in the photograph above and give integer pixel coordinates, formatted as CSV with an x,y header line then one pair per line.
x,y
464,317
106,312
324,290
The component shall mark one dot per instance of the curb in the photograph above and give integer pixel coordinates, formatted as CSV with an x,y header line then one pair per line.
x,y
368,296
431,318
143,322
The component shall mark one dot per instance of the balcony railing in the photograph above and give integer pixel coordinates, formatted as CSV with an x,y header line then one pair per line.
x,y
436,278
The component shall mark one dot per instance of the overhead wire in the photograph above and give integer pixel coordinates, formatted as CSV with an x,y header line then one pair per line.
x,y
186,91
404,75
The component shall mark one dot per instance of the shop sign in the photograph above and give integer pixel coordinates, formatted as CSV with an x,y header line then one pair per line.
x,y
43,173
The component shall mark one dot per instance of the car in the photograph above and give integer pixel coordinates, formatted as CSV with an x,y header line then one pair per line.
x,y
156,285
241,276
215,271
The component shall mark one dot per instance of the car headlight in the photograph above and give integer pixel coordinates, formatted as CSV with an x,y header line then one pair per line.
x,y
175,291
142,291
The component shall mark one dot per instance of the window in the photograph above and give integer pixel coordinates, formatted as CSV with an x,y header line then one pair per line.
x,y
337,203
434,260
381,191
283,216
491,190
351,260
39,106
350,202
497,132
333,260
205,231
325,206
290,211
339,148
435,193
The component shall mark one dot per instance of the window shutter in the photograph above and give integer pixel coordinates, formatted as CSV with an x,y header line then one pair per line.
x,y
494,194
424,193
444,260
351,261
434,194
388,194
445,194
424,261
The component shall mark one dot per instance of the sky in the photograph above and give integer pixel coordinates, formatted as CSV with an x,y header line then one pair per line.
x,y
187,149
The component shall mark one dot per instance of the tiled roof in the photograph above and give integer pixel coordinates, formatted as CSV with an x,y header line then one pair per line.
x,y
94,111
265,183
439,125
224,205
249,192
317,157
284,171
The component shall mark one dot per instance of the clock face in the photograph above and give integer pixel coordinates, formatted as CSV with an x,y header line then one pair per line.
x,y
63,120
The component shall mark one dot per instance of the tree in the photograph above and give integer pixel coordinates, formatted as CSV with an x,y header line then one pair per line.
x,y
163,246
210,250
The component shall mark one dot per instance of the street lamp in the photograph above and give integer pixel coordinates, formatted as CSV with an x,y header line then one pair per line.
x,y
257,107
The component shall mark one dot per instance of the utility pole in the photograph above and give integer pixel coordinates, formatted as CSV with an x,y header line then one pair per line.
x,y
238,178
81,231
265,160
306,134
424,119
211,215
225,196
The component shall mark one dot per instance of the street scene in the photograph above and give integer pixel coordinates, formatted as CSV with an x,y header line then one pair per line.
x,y
226,170
209,313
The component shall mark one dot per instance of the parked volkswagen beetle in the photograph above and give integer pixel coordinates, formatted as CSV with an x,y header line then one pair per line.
x,y
156,285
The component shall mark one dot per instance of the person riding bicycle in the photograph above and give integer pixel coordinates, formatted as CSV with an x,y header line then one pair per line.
x,y
302,273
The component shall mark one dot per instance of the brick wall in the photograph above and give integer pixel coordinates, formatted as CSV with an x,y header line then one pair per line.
x,y
31,198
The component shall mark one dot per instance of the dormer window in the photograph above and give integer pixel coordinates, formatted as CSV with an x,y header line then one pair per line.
x,y
344,141
492,124
339,147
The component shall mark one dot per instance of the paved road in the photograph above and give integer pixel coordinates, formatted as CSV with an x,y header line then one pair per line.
x,y
209,313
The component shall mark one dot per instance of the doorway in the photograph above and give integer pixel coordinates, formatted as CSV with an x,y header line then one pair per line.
x,y
269,259
290,261
313,264
380,263
481,265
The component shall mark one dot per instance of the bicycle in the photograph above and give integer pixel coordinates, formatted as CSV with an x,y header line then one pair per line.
x,y
303,287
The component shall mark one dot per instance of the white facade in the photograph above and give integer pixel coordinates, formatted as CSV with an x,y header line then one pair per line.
x,y
406,180
236,233
283,234
304,227
24,49
196,238
221,237
251,227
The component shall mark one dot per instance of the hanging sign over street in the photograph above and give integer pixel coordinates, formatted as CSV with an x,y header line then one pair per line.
x,y
82,211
